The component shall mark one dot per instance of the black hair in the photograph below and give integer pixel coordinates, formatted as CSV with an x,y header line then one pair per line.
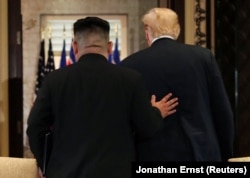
x,y
90,23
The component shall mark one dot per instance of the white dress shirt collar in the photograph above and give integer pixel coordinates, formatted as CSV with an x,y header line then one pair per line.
x,y
163,36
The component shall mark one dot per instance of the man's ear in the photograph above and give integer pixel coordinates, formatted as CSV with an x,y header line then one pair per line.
x,y
148,38
75,47
110,47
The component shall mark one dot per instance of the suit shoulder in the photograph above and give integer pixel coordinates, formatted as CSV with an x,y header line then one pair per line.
x,y
126,74
58,73
127,71
135,57
199,48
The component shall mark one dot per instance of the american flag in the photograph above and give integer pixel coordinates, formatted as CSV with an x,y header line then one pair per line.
x,y
50,66
41,66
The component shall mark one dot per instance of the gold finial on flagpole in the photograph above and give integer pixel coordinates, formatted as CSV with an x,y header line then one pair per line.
x,y
49,31
43,32
64,31
116,30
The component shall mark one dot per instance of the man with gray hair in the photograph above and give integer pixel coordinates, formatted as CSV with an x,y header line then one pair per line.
x,y
202,128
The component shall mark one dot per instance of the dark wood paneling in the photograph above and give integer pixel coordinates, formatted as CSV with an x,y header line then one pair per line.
x,y
208,24
232,49
15,79
179,7
243,63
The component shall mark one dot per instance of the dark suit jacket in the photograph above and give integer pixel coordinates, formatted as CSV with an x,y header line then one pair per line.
x,y
96,109
202,129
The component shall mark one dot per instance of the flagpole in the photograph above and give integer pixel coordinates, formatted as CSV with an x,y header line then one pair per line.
x,y
50,65
64,32
116,30
63,62
116,53
43,33
47,35
49,32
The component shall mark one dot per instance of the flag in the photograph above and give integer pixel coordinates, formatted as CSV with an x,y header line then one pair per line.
x,y
50,66
72,55
71,59
110,59
69,62
41,66
63,56
116,53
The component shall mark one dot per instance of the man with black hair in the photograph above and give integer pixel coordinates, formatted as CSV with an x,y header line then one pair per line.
x,y
95,111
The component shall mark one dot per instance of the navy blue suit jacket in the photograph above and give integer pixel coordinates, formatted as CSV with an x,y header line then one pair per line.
x,y
202,129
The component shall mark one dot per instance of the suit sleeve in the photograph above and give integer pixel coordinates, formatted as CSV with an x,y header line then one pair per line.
x,y
222,111
39,122
146,119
